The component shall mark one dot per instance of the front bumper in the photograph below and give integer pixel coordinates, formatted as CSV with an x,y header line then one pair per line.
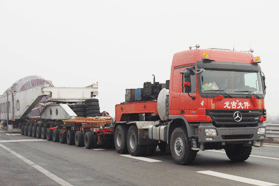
x,y
231,134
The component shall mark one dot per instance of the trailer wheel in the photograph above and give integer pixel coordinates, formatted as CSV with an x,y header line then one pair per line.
x,y
34,131
132,142
79,139
22,130
88,140
62,136
181,148
26,130
55,135
38,132
70,137
238,153
49,134
43,133
120,139
30,131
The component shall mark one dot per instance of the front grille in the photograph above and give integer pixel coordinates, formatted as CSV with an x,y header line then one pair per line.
x,y
227,137
224,118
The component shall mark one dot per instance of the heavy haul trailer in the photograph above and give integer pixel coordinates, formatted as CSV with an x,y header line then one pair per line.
x,y
69,115
215,100
60,122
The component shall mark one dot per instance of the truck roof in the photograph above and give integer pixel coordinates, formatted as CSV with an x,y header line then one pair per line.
x,y
189,57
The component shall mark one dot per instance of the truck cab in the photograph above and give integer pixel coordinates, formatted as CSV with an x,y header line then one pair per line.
x,y
215,100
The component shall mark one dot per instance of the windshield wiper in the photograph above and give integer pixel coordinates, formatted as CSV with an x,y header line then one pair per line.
x,y
222,91
248,91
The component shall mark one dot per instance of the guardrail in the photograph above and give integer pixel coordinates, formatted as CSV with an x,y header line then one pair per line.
x,y
272,131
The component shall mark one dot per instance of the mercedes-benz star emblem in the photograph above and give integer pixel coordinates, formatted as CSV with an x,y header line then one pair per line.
x,y
237,116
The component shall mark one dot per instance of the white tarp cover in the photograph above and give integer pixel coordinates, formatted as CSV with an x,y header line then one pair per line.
x,y
27,83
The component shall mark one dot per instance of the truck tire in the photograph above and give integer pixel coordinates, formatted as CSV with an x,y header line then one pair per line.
x,y
79,109
181,151
88,140
94,115
120,139
92,112
91,100
70,137
92,108
55,135
132,142
34,131
38,132
78,106
30,131
49,134
91,104
81,114
43,133
26,130
79,139
62,136
238,152
22,130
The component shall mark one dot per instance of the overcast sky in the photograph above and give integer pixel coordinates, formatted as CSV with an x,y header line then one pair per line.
x,y
120,44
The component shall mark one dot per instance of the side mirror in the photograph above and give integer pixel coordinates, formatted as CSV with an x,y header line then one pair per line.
x,y
264,86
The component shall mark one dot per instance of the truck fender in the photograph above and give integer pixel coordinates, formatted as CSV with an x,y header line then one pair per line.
x,y
189,129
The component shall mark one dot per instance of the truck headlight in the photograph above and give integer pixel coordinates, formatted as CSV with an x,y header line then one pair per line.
x,y
261,131
210,132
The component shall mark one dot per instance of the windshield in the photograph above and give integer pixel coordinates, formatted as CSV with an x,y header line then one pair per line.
x,y
231,82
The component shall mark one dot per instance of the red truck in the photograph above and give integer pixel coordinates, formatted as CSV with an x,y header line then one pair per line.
x,y
213,100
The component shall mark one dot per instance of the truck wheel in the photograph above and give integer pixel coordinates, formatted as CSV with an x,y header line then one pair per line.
x,y
238,153
34,131
132,142
26,130
120,139
43,133
62,136
30,131
70,137
49,134
55,135
38,132
88,140
181,148
22,130
79,139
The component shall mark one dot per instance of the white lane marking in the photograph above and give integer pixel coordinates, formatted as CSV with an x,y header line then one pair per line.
x,y
263,157
39,168
237,178
13,134
271,146
98,149
26,140
142,158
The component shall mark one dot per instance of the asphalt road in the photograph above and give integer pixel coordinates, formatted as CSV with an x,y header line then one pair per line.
x,y
30,161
